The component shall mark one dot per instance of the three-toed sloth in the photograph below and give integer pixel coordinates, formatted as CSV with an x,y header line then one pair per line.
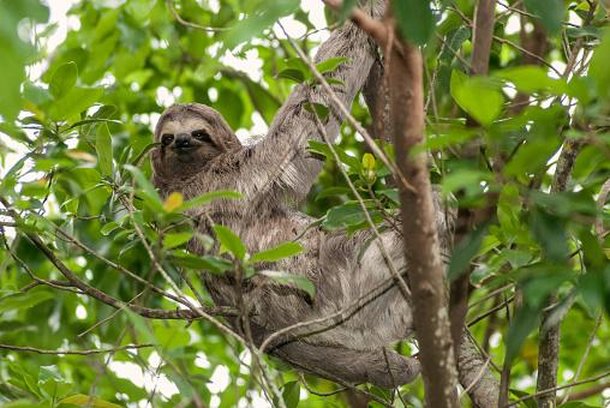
x,y
199,153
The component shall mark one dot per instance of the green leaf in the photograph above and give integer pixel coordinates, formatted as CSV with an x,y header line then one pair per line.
x,y
478,96
230,241
291,394
108,228
92,120
14,52
319,110
169,336
18,301
332,192
285,250
466,179
323,149
207,198
176,239
293,74
593,253
75,101
209,263
103,146
136,161
415,20
330,64
148,191
82,400
349,215
292,280
550,231
576,404
263,100
63,79
526,319
599,68
531,78
550,13
464,252
262,18
546,279
231,105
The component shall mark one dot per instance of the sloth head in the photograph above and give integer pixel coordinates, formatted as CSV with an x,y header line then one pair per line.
x,y
190,137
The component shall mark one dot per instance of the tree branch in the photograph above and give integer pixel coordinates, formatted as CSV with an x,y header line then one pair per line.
x,y
548,344
76,282
555,389
422,249
28,349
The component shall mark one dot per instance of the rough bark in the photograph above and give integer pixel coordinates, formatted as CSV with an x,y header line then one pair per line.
x,y
482,36
548,360
535,43
375,94
426,270
468,219
474,375
550,327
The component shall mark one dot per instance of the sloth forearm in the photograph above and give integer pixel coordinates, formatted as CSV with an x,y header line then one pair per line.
x,y
295,124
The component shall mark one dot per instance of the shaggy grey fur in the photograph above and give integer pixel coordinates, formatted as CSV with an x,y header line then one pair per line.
x,y
273,176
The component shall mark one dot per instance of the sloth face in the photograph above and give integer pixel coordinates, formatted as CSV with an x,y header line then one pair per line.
x,y
188,139
190,136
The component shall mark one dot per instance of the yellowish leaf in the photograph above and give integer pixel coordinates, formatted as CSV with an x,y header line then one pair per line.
x,y
368,161
173,201
80,155
82,400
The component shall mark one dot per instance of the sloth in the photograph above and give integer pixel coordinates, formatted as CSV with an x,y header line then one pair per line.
x,y
198,153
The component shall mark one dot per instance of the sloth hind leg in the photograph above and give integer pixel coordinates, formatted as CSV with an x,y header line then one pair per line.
x,y
384,369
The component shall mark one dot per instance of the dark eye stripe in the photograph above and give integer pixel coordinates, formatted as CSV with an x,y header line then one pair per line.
x,y
201,135
167,138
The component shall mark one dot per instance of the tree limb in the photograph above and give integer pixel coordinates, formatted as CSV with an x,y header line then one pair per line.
x,y
422,250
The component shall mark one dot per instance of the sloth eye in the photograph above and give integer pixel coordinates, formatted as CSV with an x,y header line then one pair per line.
x,y
166,139
201,135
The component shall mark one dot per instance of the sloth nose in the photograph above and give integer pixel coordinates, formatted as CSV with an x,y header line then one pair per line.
x,y
182,140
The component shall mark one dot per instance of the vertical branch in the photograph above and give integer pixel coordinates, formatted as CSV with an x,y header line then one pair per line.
x,y
480,385
536,44
482,37
426,271
404,66
468,219
548,344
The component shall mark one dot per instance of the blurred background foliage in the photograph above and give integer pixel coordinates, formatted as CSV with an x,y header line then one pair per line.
x,y
76,123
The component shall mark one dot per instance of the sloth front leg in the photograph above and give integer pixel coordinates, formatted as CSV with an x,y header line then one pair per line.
x,y
383,369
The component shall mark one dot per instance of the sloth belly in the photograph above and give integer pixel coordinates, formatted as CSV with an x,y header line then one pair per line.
x,y
356,279
353,285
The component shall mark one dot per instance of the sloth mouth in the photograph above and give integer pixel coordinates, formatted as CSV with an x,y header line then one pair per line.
x,y
184,149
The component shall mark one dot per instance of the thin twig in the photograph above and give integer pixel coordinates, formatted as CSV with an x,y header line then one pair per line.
x,y
174,12
476,380
318,393
28,349
585,355
561,387
346,112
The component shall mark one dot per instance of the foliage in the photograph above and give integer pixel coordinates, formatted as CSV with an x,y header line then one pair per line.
x,y
76,131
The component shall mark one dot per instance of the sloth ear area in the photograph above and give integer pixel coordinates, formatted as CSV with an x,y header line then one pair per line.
x,y
224,138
